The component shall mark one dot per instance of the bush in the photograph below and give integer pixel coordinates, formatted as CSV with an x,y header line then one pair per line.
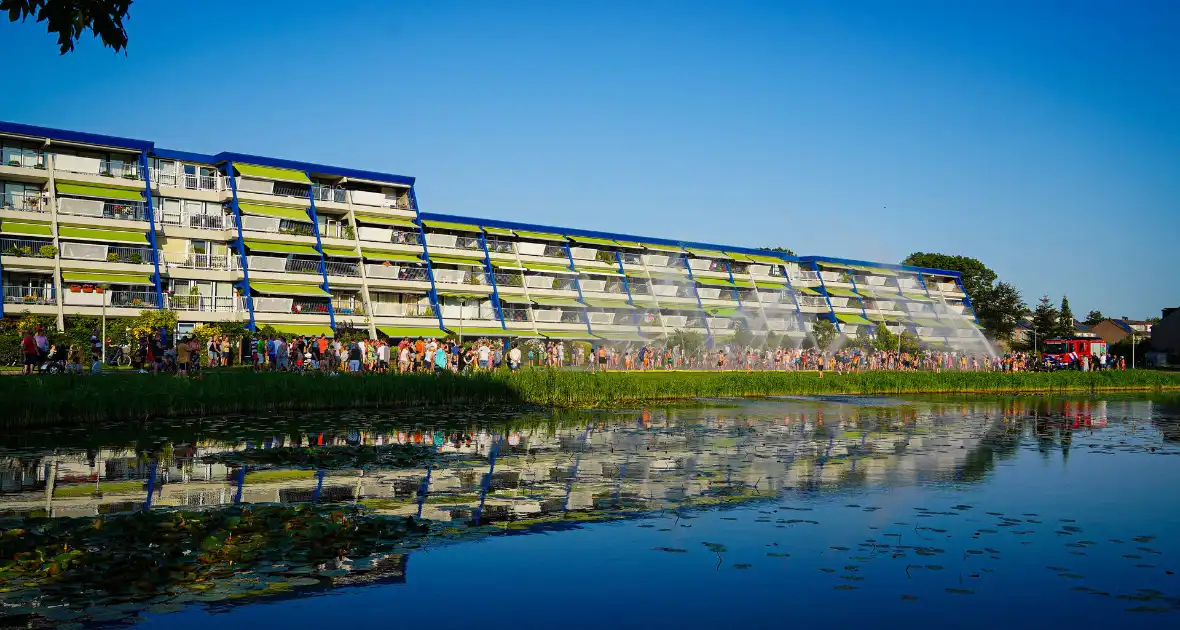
x,y
48,251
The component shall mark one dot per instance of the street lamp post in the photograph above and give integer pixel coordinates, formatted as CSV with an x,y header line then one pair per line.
x,y
106,294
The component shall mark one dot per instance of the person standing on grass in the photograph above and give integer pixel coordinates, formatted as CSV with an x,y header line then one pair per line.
x,y
28,349
440,359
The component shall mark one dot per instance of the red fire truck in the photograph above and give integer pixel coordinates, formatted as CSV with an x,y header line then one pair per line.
x,y
1067,352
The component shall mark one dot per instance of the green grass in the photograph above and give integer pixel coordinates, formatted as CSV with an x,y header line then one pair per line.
x,y
135,397
85,490
273,476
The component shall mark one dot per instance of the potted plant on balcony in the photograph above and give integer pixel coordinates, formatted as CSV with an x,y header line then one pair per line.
x,y
112,257
14,162
27,250
75,288
88,288
39,167
105,173
48,251
29,298
12,251
99,289
136,258
129,176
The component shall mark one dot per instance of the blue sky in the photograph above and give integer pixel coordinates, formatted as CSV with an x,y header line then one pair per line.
x,y
1040,137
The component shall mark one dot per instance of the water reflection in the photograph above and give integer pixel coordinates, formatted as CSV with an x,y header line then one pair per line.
x,y
243,509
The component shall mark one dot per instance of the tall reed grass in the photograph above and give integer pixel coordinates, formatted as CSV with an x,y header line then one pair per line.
x,y
44,400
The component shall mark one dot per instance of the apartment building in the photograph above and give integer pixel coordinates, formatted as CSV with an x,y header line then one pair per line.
x,y
92,223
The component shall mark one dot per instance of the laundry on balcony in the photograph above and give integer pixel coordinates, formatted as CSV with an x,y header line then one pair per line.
x,y
290,213
282,288
279,248
100,192
272,172
92,234
99,277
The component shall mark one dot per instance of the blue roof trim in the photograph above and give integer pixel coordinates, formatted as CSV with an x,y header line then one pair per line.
x,y
315,169
185,156
66,135
513,225
870,263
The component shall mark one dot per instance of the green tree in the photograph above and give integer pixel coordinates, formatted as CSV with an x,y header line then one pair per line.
x,y
910,343
1045,319
863,339
977,277
885,340
1093,317
781,250
824,332
1002,310
70,18
742,337
689,342
1065,320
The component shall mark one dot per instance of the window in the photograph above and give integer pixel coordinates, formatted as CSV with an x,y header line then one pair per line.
x,y
166,172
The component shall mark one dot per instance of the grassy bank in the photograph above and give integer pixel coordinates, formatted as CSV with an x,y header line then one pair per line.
x,y
133,397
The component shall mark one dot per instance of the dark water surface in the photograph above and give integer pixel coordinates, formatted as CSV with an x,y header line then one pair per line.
x,y
970,512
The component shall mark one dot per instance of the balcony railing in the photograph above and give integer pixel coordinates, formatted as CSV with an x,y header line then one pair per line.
x,y
800,275
509,279
31,248
200,303
196,261
309,307
498,246
129,255
389,235
28,295
468,242
335,268
198,221
132,298
396,272
122,210
517,315
402,309
809,300
24,158
298,265
23,201
330,193
187,180
348,307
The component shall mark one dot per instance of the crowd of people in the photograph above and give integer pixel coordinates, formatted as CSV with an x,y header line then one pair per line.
x,y
159,353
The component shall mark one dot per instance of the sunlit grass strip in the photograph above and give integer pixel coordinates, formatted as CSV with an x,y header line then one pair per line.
x,y
86,490
134,397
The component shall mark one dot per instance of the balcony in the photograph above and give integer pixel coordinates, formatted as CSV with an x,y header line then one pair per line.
x,y
674,321
336,268
517,315
273,188
585,253
29,295
25,247
23,201
639,287
455,276
294,265
509,280
195,220
189,181
380,200
498,246
131,298
811,300
471,312
602,319
106,253
119,169
23,158
129,255
348,307
334,194
274,225
800,275
706,293
389,235
631,258
402,309
396,272
309,307
122,210
203,304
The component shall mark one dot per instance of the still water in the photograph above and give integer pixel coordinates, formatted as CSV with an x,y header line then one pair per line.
x,y
1025,512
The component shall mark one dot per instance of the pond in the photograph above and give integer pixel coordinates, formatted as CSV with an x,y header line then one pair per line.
x,y
973,511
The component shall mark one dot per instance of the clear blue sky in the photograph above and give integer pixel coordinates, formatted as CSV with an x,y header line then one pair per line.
x,y
1040,137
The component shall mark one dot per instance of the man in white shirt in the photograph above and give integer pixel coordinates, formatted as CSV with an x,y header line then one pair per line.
x,y
514,358
485,356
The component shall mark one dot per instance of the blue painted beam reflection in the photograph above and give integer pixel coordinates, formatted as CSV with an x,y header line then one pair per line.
x,y
319,486
487,479
151,484
424,489
241,482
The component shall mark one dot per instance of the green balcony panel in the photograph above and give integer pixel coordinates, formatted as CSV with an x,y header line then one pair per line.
x,y
382,220
629,244
917,297
849,318
457,293
559,302
745,284
607,303
340,252
670,275
770,284
707,253
739,257
840,292
9,226
766,260
301,330
479,331
281,212
456,260
714,282
540,236
100,192
412,332
590,240
929,323
542,267
722,311
383,254
99,277
272,172
280,288
447,225
510,265
603,270
118,236
280,248
664,248
515,299
498,231
807,291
